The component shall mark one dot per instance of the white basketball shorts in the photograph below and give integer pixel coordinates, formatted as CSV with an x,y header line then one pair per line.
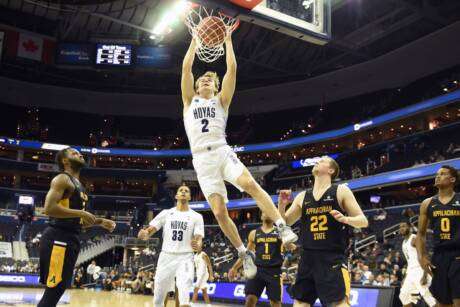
x,y
215,166
412,287
202,280
169,267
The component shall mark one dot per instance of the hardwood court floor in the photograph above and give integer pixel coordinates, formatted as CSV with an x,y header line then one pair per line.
x,y
26,297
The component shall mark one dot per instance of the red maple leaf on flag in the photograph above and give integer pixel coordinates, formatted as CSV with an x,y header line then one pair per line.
x,y
30,46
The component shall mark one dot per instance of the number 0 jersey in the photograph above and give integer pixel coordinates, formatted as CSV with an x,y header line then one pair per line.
x,y
205,122
179,227
319,230
445,222
268,248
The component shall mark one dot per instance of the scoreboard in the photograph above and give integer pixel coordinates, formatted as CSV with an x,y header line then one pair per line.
x,y
116,55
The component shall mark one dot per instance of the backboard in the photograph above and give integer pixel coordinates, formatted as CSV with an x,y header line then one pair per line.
x,y
309,20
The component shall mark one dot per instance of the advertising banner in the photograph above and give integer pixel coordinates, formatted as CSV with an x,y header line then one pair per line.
x,y
74,54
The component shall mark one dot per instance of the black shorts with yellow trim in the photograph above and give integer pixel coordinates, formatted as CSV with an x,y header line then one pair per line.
x,y
445,285
323,275
268,278
59,251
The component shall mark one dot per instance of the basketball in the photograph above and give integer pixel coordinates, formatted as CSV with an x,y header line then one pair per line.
x,y
211,31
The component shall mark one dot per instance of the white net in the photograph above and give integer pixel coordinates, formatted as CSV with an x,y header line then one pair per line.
x,y
210,29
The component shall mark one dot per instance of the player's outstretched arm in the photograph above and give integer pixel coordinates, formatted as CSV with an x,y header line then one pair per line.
x,y
187,82
146,233
59,185
229,81
295,211
356,217
239,263
156,224
420,240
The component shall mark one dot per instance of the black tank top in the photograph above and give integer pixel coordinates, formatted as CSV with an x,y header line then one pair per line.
x,y
445,222
319,230
78,201
268,248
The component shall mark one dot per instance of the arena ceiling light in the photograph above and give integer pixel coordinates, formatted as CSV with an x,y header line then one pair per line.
x,y
163,27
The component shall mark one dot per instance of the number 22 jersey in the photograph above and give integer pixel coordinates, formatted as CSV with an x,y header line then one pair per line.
x,y
205,122
179,228
319,230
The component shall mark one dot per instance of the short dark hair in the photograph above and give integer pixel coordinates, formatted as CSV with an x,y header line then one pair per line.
x,y
452,171
407,222
61,154
335,166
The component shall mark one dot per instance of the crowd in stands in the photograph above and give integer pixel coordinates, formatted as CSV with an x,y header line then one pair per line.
x,y
8,265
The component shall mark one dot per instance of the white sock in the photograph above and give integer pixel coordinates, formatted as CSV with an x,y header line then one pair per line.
x,y
241,250
208,305
280,223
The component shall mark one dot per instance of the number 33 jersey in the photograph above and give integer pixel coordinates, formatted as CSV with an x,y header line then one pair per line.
x,y
179,228
205,122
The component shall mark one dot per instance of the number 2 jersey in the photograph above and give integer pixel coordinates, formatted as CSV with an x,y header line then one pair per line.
x,y
179,228
445,222
319,230
205,122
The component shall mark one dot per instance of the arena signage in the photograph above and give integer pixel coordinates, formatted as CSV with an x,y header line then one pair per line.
x,y
158,57
358,126
291,143
309,161
394,177
360,297
19,279
74,54
17,297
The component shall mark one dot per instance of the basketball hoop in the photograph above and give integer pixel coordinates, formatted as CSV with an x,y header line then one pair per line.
x,y
210,29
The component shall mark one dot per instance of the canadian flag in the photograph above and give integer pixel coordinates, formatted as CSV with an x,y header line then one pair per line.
x,y
30,47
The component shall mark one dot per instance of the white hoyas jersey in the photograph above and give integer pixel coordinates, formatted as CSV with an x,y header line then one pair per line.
x,y
179,227
205,122
200,264
410,252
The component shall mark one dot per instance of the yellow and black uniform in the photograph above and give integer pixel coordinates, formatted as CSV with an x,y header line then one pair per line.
x,y
445,222
322,271
60,244
268,261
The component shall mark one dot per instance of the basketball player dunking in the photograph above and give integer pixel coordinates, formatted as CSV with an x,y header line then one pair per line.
x,y
442,212
204,272
205,119
59,245
416,280
183,232
324,213
266,244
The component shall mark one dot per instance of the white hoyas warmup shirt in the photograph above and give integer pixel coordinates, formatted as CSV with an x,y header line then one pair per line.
x,y
410,252
205,122
179,227
200,264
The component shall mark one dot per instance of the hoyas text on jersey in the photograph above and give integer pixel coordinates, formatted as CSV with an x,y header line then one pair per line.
x,y
181,225
203,112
